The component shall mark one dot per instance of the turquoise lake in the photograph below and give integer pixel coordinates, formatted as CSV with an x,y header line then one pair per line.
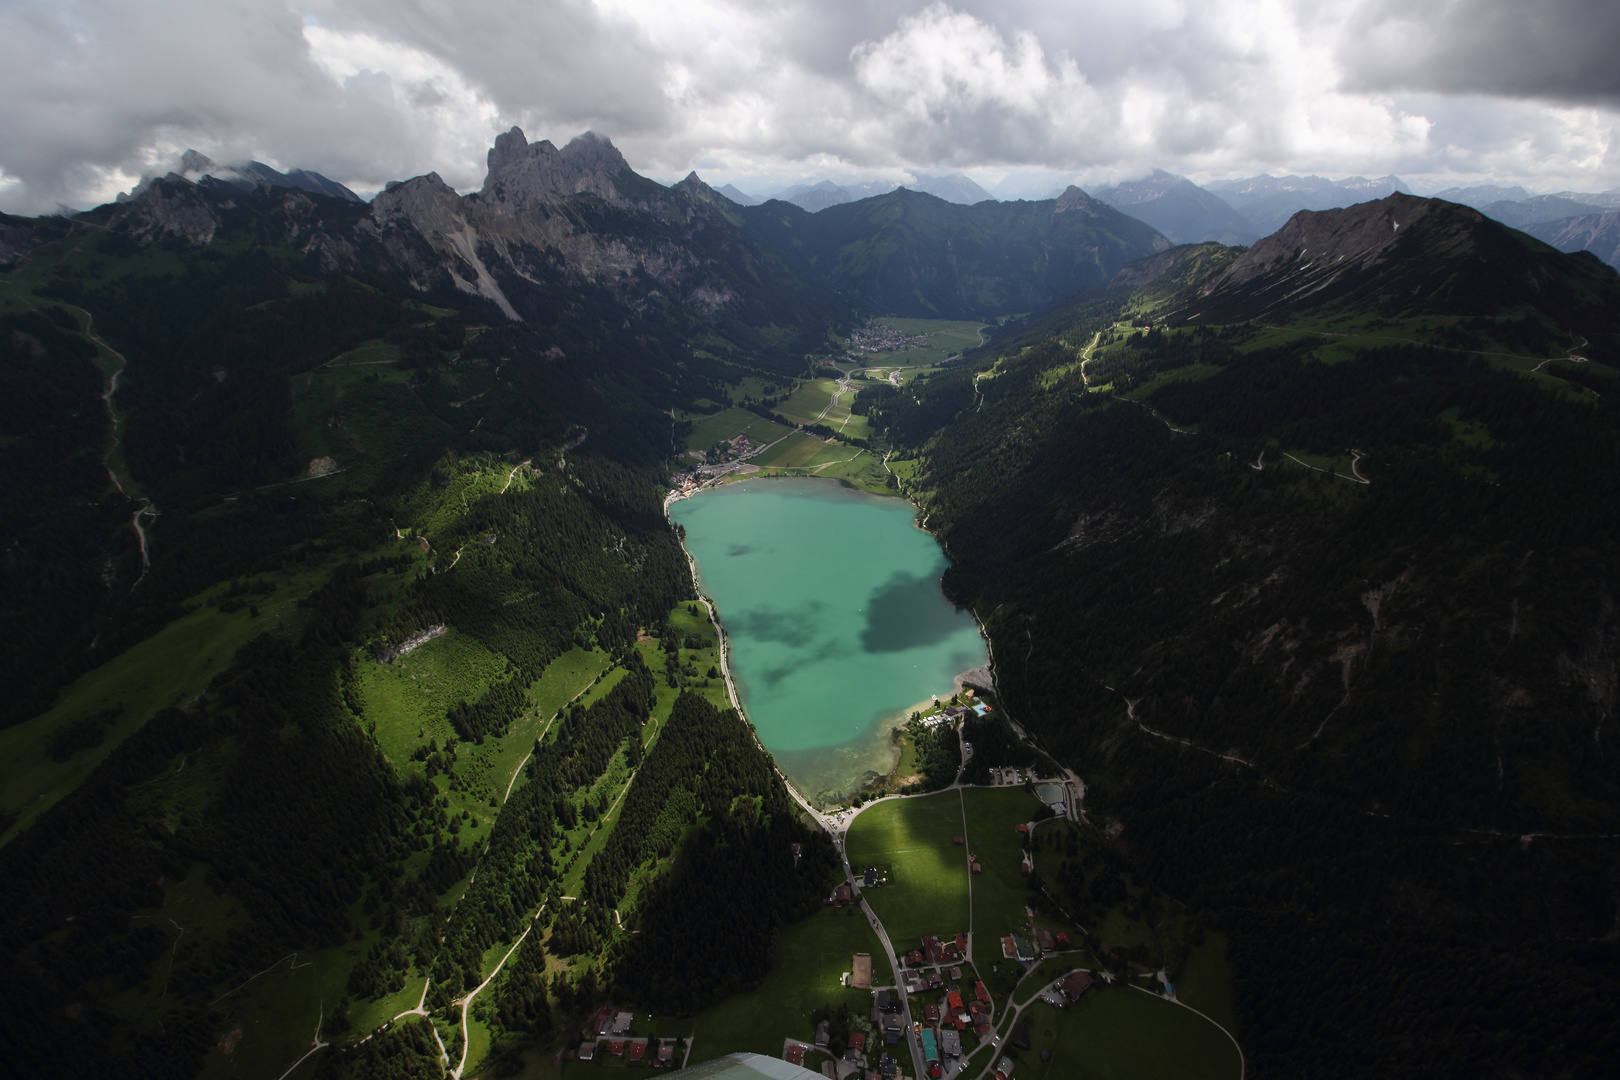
x,y
831,601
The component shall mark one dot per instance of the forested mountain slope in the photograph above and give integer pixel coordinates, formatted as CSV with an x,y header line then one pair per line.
x,y
334,586
907,253
1404,257
1328,626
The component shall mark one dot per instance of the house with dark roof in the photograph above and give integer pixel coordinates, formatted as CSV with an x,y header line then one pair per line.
x,y
1045,942
1075,984
587,1050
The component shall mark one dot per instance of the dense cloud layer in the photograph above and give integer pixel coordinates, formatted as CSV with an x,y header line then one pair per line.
x,y
1030,93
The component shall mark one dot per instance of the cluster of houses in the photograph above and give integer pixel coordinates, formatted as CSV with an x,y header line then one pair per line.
x,y
613,1040
1027,951
883,1066
952,713
875,337
962,1006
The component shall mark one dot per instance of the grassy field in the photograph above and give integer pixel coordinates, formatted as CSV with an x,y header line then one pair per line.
x,y
372,352
565,678
843,463
409,697
1205,982
946,338
795,450
994,815
168,668
927,891
728,425
1119,1034
1190,373
382,420
809,401
810,957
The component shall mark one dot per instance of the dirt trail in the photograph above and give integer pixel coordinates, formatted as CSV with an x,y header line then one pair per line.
x,y
147,507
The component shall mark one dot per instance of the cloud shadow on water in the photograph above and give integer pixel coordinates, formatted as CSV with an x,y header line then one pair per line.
x,y
741,549
904,613
796,628
831,649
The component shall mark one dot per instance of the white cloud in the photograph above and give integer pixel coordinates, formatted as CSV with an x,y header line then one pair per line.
x,y
95,92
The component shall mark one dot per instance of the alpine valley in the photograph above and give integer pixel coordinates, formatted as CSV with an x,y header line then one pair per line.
x,y
362,716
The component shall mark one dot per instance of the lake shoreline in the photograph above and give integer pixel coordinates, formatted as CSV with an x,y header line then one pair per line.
x,y
884,725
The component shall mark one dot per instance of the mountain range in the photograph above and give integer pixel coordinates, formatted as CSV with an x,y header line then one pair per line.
x,y
1269,201
199,168
1289,550
913,254
953,187
1183,211
359,670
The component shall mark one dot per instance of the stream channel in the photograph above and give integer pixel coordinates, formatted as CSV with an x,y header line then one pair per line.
x,y
838,628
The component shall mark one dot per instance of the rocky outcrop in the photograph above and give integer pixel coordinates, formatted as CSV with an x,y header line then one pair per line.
x,y
1317,247
1597,233
17,237
170,206
524,174
538,211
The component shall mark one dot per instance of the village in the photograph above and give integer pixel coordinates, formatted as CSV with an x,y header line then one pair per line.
x,y
875,337
952,1012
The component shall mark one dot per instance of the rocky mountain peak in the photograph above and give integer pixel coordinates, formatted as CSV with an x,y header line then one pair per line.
x,y
521,173
693,185
595,153
193,161
1354,235
1075,199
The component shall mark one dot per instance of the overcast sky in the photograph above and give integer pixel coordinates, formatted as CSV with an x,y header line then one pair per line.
x,y
1023,94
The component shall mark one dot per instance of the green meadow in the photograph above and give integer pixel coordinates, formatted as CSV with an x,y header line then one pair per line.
x,y
912,839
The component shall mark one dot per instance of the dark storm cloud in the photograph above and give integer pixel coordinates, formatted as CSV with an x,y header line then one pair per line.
x,y
1561,49
94,93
